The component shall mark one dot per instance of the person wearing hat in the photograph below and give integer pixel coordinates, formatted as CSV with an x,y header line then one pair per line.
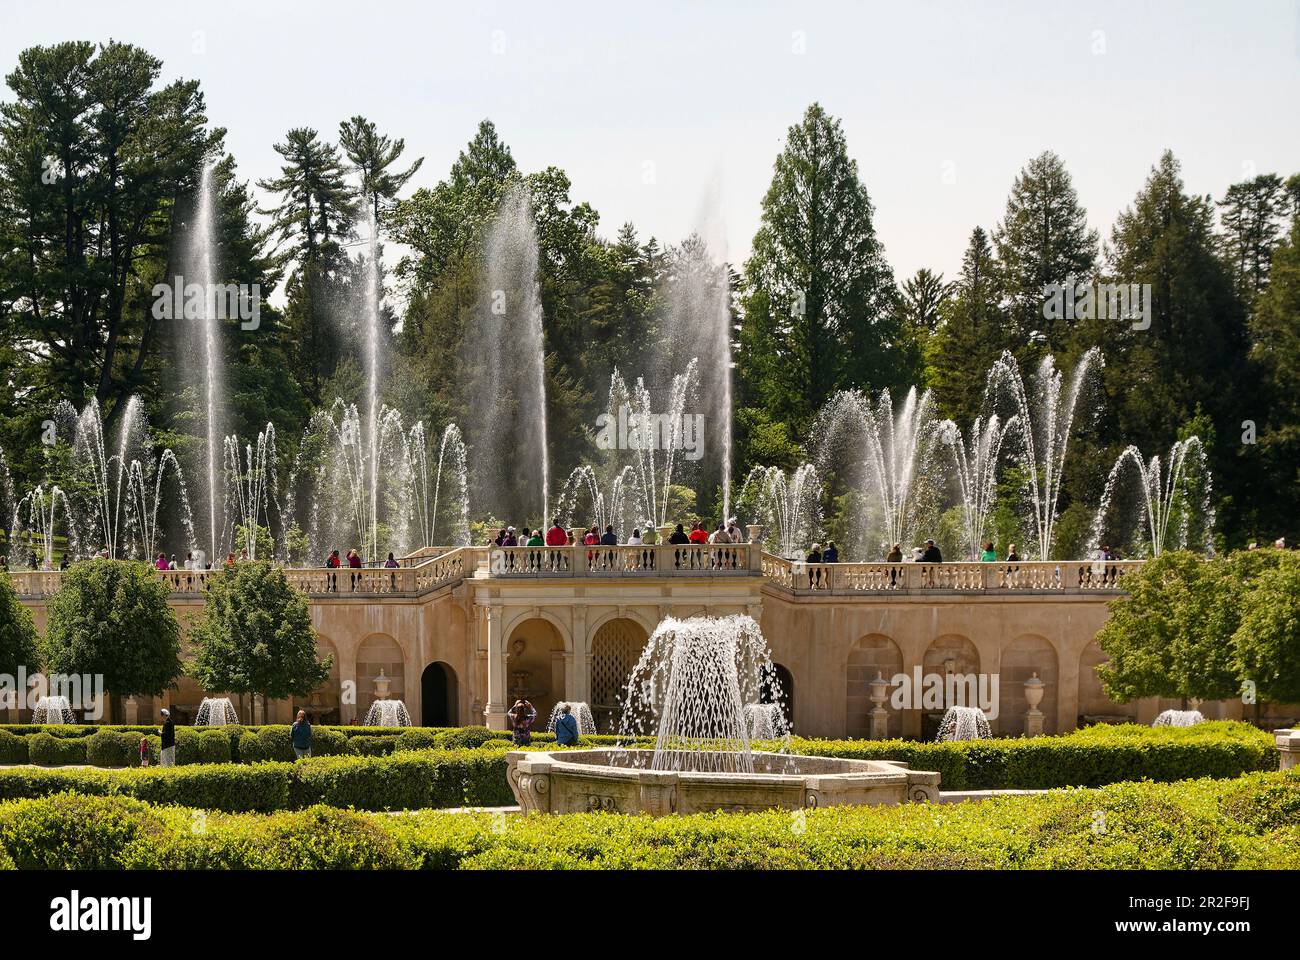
x,y
167,755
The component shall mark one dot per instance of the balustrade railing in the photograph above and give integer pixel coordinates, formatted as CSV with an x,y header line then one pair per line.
x,y
623,560
883,578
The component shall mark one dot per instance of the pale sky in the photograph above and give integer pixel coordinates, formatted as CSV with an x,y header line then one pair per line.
x,y
670,114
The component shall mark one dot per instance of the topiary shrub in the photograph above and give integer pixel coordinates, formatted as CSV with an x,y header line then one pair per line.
x,y
463,738
71,832
371,746
212,746
111,749
50,751
13,748
418,738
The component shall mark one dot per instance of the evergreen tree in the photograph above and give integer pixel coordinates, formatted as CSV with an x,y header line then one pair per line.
x,y
1043,239
373,153
1251,217
818,287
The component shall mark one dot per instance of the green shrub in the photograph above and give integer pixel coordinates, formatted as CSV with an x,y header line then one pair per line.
x,y
418,738
1251,822
13,748
50,751
461,738
371,746
213,746
107,748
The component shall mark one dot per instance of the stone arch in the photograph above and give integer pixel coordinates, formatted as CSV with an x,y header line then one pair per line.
x,y
439,695
615,648
379,653
1094,705
872,654
785,684
322,704
535,664
948,653
1022,658
642,621
539,613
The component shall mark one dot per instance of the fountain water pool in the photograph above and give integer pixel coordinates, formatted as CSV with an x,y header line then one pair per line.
x,y
691,686
216,712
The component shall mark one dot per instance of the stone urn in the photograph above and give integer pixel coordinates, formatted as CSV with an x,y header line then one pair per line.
x,y
577,533
382,685
755,530
1033,697
879,715
665,531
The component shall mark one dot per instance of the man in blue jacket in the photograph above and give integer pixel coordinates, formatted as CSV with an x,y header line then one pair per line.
x,y
566,727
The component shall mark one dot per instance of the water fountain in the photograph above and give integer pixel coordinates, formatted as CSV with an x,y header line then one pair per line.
x,y
503,356
976,467
786,506
442,518
611,508
766,721
387,713
964,723
580,710
1044,418
216,712
885,454
35,526
53,710
251,486
689,690
1178,718
1175,494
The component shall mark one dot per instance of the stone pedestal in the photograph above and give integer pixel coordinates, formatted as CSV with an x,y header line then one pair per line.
x,y
130,711
1288,748
755,531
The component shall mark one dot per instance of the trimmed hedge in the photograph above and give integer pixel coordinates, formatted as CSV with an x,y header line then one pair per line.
x,y
1251,823
13,748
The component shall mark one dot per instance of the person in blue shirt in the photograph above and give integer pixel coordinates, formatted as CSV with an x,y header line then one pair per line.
x,y
301,736
566,727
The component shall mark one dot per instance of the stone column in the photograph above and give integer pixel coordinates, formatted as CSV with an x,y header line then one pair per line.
x,y
494,713
1288,748
577,675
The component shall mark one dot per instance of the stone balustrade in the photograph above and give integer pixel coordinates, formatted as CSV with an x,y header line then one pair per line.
x,y
433,568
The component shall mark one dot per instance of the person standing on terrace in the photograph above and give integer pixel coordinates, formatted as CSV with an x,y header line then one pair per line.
x,y
556,536
989,555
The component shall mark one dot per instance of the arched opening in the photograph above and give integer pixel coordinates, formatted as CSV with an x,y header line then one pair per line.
x,y
535,666
438,695
1094,705
1021,659
322,704
784,686
871,655
379,654
950,654
615,649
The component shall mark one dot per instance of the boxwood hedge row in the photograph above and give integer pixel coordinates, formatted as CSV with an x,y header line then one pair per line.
x,y
1251,823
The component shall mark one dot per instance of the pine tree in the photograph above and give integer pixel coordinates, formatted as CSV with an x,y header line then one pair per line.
x,y
817,279
1250,214
373,154
1043,239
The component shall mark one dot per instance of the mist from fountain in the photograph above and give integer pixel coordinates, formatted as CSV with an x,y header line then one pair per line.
x,y
1172,502
689,690
505,351
964,723
788,507
1044,418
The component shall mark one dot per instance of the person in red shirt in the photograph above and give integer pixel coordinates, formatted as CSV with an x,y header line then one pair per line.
x,y
556,537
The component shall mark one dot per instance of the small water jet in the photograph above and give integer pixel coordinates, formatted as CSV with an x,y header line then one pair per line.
x,y
964,723
1172,501
976,468
766,721
216,712
1178,718
387,713
787,507
53,710
580,710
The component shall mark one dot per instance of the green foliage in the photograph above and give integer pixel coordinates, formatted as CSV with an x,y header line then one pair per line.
x,y
111,617
1266,645
13,748
255,635
1180,631
1251,822
18,643
49,751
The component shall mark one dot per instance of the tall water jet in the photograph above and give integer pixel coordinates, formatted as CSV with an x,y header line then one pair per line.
x,y
35,525
252,493
697,326
605,508
503,359
690,688
438,493
1044,413
1172,502
370,329
884,455
788,507
209,362
975,465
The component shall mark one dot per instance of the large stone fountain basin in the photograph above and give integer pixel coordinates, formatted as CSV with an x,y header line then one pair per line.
x,y
620,781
